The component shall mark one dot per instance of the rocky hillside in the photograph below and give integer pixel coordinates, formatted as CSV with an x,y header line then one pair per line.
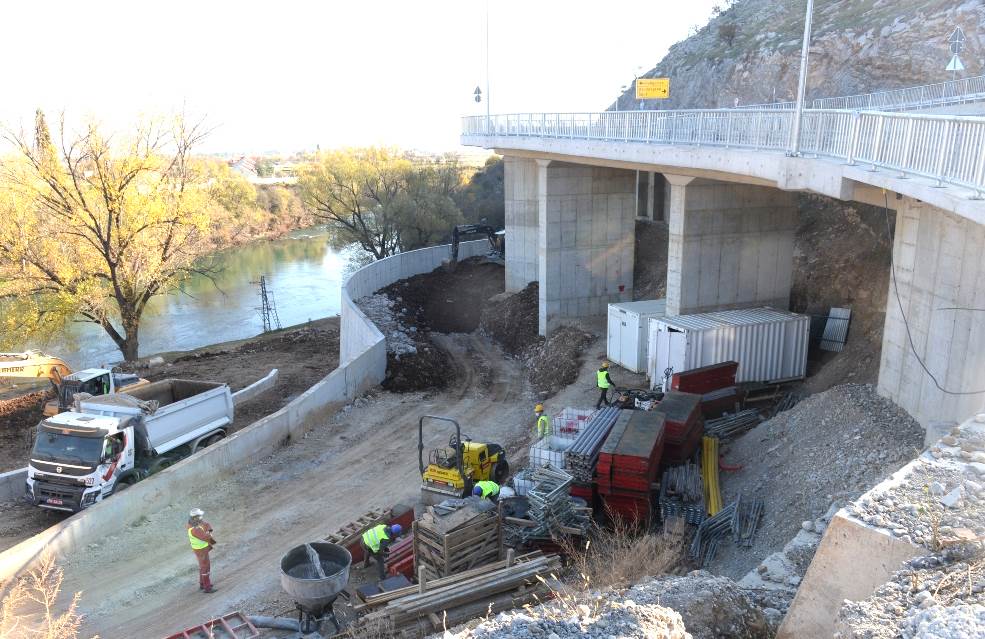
x,y
753,49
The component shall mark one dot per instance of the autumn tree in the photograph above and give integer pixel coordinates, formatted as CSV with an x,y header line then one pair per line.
x,y
381,200
92,226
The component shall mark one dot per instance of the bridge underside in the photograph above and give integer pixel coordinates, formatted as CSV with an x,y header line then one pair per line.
x,y
570,226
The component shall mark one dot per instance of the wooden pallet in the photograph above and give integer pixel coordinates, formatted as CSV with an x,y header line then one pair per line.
x,y
234,625
476,543
352,532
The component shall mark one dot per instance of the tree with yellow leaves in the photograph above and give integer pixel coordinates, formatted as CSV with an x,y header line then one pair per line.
x,y
92,227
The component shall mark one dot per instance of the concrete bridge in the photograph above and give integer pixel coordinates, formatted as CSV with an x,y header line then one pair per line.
x,y
725,180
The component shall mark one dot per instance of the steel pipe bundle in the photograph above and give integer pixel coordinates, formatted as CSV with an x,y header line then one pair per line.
x,y
682,494
704,546
583,455
746,520
731,425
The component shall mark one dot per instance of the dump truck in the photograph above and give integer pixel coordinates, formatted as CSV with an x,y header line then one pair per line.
x,y
107,443
38,365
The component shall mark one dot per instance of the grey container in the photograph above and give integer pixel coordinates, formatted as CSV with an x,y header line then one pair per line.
x,y
315,595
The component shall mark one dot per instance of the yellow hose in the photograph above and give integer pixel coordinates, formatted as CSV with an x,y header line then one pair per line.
x,y
709,473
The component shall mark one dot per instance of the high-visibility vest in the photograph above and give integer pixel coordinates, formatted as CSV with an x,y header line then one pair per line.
x,y
543,426
374,536
603,376
197,544
489,488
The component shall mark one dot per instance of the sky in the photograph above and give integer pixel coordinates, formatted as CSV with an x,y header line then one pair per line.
x,y
286,76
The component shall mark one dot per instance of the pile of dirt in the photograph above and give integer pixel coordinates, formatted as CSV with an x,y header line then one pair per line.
x,y
449,300
17,416
830,447
555,363
650,267
512,320
841,258
428,367
302,355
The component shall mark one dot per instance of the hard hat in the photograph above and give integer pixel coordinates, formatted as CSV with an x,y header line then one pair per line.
x,y
477,491
396,529
605,364
196,512
539,408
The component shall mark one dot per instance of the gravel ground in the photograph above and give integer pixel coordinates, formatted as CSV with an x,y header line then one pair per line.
x,y
829,448
697,605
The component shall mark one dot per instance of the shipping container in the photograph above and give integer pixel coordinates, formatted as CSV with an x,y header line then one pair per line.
x,y
627,326
770,345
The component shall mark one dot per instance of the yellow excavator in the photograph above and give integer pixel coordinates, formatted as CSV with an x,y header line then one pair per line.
x,y
37,365
452,471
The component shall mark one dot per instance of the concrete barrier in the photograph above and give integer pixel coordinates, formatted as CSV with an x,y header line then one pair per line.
x,y
362,365
12,484
256,388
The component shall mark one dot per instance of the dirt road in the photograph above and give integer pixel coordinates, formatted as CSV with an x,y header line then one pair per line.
x,y
142,581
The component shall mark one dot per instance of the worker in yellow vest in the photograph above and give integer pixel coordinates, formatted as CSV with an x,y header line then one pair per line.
x,y
376,540
604,383
486,490
543,422
201,539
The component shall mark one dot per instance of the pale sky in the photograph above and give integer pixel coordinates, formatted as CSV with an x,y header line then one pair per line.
x,y
287,75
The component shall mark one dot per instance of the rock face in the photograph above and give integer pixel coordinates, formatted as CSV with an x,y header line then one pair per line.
x,y
857,46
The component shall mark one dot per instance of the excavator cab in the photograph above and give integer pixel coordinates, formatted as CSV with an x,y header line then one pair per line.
x,y
465,232
452,470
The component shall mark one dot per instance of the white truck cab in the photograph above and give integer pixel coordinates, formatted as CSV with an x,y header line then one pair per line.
x,y
94,381
80,458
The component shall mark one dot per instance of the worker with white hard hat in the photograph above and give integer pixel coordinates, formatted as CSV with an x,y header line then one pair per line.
x,y
201,540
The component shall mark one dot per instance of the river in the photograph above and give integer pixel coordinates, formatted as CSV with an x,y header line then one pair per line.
x,y
303,273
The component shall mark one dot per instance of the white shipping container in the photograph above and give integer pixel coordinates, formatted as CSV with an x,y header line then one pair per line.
x,y
627,337
769,344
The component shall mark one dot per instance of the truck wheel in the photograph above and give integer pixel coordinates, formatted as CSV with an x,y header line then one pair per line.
x,y
123,485
501,472
212,440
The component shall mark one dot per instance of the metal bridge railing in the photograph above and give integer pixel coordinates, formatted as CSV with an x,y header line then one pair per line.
x,y
929,95
948,149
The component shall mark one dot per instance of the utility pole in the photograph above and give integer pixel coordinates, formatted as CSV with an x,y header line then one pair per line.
x,y
488,116
794,147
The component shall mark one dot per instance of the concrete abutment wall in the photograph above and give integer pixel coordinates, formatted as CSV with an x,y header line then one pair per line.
x,y
939,261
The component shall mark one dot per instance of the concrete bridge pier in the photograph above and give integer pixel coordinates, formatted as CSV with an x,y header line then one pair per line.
x,y
571,227
731,245
940,277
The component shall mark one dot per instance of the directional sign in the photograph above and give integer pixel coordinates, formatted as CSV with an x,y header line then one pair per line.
x,y
956,41
652,88
954,64
478,94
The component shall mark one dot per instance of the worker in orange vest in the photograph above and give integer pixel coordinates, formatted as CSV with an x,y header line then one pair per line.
x,y
201,540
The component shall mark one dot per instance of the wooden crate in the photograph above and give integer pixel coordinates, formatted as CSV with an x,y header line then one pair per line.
x,y
474,543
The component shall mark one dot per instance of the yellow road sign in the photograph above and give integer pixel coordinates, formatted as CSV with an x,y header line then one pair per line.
x,y
652,88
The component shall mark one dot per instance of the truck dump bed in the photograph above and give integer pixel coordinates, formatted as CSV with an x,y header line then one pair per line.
x,y
185,410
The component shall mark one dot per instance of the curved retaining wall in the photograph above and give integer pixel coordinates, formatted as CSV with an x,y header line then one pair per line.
x,y
362,364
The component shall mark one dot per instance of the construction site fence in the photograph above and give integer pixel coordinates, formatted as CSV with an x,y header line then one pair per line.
x,y
362,366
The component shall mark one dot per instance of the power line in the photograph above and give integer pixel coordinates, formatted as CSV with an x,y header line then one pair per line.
x,y
906,324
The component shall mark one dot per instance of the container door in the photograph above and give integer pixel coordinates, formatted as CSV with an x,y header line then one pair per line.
x,y
614,342
677,349
629,342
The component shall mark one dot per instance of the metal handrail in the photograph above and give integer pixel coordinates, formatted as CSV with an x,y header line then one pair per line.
x,y
947,149
929,95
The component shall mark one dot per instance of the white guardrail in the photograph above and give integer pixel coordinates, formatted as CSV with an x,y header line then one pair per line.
x,y
948,149
926,96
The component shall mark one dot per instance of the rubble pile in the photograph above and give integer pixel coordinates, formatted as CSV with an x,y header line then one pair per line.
x,y
829,448
387,316
697,605
936,499
556,362
939,596
511,320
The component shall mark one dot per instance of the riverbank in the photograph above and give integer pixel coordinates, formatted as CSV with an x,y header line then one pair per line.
x,y
303,354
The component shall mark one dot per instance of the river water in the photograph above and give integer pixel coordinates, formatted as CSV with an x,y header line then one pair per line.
x,y
302,271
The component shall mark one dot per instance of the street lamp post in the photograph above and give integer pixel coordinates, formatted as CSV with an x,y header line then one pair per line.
x,y
794,147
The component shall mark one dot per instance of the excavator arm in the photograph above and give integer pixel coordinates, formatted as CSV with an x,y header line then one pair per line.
x,y
464,232
33,364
